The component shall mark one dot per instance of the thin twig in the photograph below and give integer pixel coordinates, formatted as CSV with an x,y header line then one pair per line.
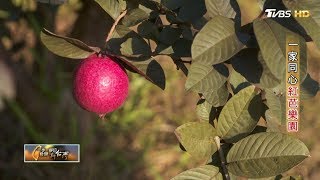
x,y
187,62
222,158
115,24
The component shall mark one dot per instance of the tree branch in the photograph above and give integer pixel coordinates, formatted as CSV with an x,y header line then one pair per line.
x,y
222,158
115,24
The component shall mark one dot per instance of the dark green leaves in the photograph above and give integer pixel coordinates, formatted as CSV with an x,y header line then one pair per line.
x,y
216,42
250,64
240,115
205,172
197,138
66,47
112,7
172,4
265,154
188,10
135,47
150,69
169,35
192,10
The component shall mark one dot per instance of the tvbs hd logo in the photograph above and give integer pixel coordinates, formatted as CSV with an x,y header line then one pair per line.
x,y
274,13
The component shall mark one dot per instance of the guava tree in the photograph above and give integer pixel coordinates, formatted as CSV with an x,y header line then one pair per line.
x,y
234,59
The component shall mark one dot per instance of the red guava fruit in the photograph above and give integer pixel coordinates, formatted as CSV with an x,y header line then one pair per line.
x,y
100,85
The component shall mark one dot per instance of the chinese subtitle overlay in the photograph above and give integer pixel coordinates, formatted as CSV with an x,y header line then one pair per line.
x,y
292,83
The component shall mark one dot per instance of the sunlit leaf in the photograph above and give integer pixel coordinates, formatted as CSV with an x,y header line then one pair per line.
x,y
216,42
197,138
250,10
112,7
205,172
240,115
276,101
205,111
237,81
66,47
210,81
134,17
271,37
265,154
267,80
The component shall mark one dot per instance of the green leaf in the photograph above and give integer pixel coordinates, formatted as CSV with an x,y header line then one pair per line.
x,y
205,111
240,115
237,81
134,17
121,31
249,10
271,37
246,63
135,47
210,81
311,24
169,35
276,101
112,7
267,80
172,4
220,7
216,42
198,9
265,154
187,34
182,48
164,49
274,124
197,138
150,69
148,30
66,47
205,172
217,97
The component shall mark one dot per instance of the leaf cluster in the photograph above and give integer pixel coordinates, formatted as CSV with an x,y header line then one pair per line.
x,y
234,58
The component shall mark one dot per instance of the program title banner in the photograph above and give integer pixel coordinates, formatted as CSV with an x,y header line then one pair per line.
x,y
52,153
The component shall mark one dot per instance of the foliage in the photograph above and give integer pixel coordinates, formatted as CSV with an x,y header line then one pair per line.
x,y
237,67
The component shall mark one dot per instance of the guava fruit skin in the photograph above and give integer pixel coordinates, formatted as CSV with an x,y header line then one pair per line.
x,y
100,85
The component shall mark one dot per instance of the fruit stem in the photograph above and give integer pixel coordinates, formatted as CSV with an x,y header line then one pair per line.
x,y
115,24
103,119
222,158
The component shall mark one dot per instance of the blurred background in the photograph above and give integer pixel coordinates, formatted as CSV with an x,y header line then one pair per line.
x,y
136,142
